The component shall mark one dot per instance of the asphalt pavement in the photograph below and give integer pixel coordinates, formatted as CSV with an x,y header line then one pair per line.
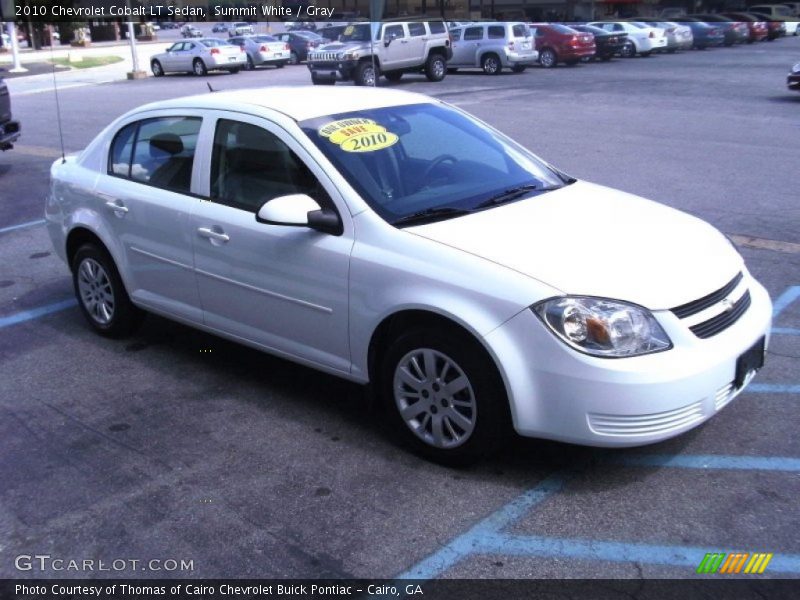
x,y
174,444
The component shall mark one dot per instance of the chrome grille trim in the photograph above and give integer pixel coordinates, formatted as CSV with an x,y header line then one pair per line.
x,y
696,306
646,424
722,321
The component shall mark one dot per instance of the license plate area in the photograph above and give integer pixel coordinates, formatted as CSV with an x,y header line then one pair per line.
x,y
751,360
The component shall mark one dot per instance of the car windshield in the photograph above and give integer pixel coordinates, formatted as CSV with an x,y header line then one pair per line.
x,y
264,38
412,159
358,33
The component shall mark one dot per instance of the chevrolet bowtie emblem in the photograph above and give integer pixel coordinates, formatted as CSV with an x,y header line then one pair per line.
x,y
727,304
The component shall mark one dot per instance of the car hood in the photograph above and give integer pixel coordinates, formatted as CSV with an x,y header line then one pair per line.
x,y
592,240
342,47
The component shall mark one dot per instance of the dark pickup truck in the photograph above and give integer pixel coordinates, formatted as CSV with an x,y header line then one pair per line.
x,y
9,129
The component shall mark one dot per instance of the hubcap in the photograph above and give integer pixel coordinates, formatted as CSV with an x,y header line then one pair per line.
x,y
435,398
198,68
438,68
95,290
369,76
491,65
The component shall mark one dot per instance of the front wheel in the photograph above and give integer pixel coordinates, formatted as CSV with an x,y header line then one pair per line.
x,y
101,294
547,58
157,69
435,67
628,50
199,67
442,395
365,74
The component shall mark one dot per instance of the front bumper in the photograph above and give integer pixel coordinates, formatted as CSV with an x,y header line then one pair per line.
x,y
560,394
341,70
793,81
9,133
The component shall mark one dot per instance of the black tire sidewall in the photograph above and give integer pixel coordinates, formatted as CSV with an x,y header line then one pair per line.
x,y
430,72
492,423
126,316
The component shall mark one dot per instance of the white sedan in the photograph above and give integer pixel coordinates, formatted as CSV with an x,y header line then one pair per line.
x,y
642,39
199,56
395,240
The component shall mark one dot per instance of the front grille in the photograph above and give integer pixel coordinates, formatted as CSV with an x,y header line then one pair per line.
x,y
631,425
323,56
696,306
722,321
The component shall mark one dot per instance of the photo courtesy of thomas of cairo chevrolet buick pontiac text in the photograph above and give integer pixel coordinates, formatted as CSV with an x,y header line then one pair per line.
x,y
394,240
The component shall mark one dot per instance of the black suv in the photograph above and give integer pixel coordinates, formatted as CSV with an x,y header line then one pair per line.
x,y
9,129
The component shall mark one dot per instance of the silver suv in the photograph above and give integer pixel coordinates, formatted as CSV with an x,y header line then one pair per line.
x,y
365,51
493,46
240,28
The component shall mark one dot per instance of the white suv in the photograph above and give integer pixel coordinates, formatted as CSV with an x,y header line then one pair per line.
x,y
240,28
365,51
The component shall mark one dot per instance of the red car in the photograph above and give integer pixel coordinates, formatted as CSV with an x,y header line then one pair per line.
x,y
558,43
759,30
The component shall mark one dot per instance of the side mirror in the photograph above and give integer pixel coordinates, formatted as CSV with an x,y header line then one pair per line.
x,y
389,39
299,210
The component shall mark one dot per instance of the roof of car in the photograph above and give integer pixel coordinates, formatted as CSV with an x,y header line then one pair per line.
x,y
298,102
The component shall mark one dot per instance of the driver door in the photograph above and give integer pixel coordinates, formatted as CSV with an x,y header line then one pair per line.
x,y
283,288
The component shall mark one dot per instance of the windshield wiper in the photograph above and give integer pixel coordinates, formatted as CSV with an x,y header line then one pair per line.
x,y
507,196
429,215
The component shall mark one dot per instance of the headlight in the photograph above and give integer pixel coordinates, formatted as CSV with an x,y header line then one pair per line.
x,y
348,56
600,327
796,68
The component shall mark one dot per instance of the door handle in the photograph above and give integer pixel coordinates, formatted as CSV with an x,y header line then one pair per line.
x,y
403,41
217,236
117,206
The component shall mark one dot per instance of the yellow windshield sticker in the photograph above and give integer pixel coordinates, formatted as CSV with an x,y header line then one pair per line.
x,y
349,30
358,135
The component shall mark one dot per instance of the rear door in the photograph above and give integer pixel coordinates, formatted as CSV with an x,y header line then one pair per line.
x,y
471,42
146,200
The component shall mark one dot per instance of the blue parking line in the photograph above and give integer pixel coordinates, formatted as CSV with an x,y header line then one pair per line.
x,y
35,313
786,331
789,295
464,545
627,552
773,388
708,461
22,225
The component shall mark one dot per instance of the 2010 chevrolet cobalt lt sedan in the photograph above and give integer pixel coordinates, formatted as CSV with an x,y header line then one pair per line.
x,y
394,240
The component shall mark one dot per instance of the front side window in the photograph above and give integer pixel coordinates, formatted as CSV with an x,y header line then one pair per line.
x,y
393,31
250,165
473,33
159,152
413,158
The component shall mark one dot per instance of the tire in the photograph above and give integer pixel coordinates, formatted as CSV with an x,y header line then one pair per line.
x,y
234,70
548,58
571,63
365,74
250,64
606,57
101,294
671,51
628,50
317,81
519,68
491,65
293,58
157,69
452,69
199,67
280,65
393,75
413,374
435,67
645,54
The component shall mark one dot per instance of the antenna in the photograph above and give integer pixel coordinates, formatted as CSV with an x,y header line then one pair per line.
x,y
58,105
210,89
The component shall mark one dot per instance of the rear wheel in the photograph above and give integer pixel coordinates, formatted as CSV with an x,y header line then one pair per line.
x,y
101,294
645,54
365,74
250,64
280,65
199,67
157,69
547,58
234,70
435,67
628,50
491,64
518,68
440,397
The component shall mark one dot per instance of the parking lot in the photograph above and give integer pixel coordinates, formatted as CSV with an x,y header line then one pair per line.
x,y
174,444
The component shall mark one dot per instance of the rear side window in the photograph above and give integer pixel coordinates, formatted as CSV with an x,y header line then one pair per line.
x,y
436,26
416,29
157,152
496,32
473,33
520,31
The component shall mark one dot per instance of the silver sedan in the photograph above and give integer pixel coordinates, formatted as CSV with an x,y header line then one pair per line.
x,y
199,57
262,50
